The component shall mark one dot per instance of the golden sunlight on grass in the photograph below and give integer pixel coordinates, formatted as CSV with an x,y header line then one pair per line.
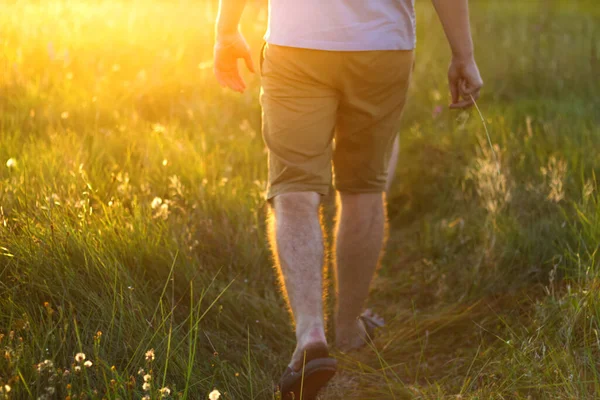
x,y
133,253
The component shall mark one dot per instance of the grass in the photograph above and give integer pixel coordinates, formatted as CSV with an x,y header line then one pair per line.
x,y
132,215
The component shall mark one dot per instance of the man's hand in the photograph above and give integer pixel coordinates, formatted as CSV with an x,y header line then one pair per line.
x,y
465,82
463,75
228,49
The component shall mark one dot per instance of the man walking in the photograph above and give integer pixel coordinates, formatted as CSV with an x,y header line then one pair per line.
x,y
335,75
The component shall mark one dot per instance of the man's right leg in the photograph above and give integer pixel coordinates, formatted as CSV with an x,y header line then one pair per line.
x,y
373,96
297,242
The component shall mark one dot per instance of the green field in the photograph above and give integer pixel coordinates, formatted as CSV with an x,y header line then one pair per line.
x,y
131,204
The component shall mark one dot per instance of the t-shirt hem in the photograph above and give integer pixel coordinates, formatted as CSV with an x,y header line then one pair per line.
x,y
339,46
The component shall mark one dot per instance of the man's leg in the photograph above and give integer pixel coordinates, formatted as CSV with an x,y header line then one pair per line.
x,y
373,95
299,103
297,242
360,236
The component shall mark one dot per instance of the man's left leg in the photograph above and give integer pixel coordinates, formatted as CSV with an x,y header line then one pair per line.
x,y
299,115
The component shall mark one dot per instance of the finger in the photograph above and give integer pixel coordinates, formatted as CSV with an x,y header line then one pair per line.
x,y
249,63
454,91
471,98
469,94
235,77
470,87
238,83
220,79
234,84
227,81
464,88
240,86
467,90
230,79
461,104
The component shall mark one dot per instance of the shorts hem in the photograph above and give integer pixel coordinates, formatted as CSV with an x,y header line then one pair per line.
x,y
291,188
358,190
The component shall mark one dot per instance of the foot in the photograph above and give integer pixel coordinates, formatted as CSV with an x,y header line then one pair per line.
x,y
358,333
310,369
310,341
306,383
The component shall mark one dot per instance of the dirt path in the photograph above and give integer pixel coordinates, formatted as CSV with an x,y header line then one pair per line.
x,y
428,340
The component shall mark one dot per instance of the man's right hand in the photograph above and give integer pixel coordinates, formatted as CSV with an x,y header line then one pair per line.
x,y
465,82
228,49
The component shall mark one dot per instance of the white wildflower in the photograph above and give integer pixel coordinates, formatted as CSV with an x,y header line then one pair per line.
x,y
214,395
156,202
150,355
159,128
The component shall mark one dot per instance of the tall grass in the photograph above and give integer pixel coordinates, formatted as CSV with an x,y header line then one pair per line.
x,y
132,213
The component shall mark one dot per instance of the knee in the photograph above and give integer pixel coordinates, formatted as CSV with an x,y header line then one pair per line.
x,y
297,202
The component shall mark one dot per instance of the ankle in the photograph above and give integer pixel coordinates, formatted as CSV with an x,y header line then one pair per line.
x,y
310,343
310,333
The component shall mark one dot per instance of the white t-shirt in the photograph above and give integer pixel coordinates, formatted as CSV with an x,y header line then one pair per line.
x,y
342,25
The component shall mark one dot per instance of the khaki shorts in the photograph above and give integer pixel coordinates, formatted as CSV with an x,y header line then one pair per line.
x,y
322,106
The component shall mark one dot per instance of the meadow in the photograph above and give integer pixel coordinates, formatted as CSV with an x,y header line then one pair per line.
x,y
132,217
